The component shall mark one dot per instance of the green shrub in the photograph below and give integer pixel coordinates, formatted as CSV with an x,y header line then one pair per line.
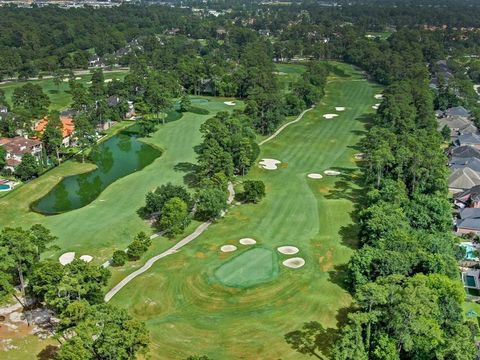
x,y
119,258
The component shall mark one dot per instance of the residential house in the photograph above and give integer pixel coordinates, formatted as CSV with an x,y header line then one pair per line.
x,y
468,129
464,152
95,61
68,128
17,147
131,110
468,221
462,179
472,163
454,123
469,140
458,111
469,198
113,101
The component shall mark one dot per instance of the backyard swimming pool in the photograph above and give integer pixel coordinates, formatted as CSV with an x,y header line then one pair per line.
x,y
470,251
5,187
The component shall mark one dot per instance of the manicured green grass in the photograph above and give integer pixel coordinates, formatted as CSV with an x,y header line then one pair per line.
x,y
250,268
110,221
288,74
59,95
188,313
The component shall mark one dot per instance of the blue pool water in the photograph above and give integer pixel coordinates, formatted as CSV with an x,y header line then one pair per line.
x,y
470,252
4,187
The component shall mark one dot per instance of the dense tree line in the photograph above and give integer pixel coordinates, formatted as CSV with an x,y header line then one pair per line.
x,y
408,298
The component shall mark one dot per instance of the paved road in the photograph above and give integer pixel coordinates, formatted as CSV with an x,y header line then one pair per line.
x,y
198,231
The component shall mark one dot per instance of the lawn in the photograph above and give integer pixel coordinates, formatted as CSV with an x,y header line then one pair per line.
x,y
287,74
182,299
59,95
110,221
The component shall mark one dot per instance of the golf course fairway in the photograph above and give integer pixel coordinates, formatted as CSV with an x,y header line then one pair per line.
x,y
190,309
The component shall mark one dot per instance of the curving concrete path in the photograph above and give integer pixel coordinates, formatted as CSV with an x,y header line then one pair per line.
x,y
198,231
275,134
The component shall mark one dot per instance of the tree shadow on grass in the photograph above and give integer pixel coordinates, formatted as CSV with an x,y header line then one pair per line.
x,y
190,171
347,185
312,339
47,353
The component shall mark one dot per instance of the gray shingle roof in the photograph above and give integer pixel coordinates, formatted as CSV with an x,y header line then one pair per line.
x,y
463,178
468,139
473,224
457,111
470,213
465,152
453,122
468,129
472,163
473,193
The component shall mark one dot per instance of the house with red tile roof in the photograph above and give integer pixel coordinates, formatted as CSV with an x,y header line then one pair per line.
x,y
68,128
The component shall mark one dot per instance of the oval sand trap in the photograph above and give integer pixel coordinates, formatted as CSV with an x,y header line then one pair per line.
x,y
378,96
228,248
331,172
315,176
294,263
339,108
66,258
229,103
270,164
288,250
330,116
247,241
86,258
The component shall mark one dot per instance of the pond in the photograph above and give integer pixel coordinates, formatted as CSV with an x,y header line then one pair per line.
x,y
115,158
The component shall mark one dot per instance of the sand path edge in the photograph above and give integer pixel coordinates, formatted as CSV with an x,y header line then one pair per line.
x,y
276,133
148,264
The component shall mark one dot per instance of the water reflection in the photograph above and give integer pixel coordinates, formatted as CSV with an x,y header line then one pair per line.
x,y
117,157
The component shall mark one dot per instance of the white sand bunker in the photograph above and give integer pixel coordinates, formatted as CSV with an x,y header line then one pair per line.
x,y
247,241
376,106
66,258
330,116
340,108
288,250
78,78
315,176
108,80
86,258
331,172
270,164
229,103
378,96
359,156
228,248
294,263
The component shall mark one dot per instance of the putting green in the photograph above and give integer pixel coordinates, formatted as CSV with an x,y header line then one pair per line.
x,y
252,267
